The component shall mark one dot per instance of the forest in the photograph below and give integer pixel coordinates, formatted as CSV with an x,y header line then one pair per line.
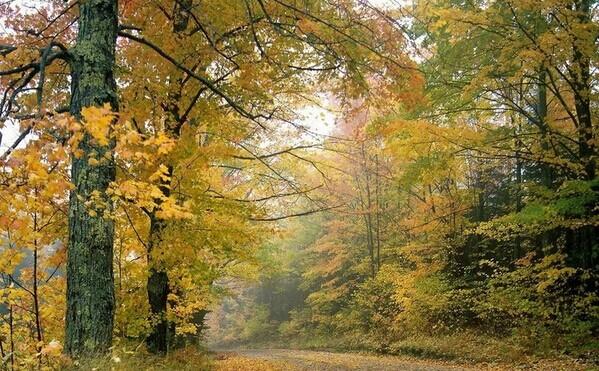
x,y
299,184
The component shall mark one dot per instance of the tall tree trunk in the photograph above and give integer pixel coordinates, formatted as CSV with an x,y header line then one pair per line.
x,y
369,226
378,212
541,110
158,289
582,94
546,170
2,354
11,330
367,209
36,305
586,239
518,247
90,281
158,283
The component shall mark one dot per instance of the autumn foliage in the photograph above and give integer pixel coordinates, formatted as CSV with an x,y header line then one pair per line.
x,y
453,206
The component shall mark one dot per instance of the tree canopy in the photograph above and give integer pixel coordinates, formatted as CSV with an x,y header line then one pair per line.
x,y
160,174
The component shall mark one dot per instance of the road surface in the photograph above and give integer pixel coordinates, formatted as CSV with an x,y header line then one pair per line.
x,y
304,360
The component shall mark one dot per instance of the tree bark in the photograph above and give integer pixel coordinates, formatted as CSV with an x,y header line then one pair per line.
x,y
11,330
158,289
90,281
582,95
378,212
541,113
366,206
36,305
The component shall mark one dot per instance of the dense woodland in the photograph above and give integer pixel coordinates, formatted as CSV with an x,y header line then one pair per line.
x,y
164,181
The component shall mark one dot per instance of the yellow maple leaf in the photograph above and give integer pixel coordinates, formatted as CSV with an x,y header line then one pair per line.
x,y
97,122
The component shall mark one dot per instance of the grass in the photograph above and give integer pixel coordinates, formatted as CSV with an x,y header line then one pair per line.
x,y
130,358
466,347
190,358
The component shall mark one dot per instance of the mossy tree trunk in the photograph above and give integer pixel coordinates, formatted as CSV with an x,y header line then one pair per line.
x,y
90,281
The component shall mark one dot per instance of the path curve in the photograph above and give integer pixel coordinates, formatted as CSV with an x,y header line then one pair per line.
x,y
307,360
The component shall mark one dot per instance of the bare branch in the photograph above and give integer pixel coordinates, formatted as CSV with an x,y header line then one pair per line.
x,y
304,213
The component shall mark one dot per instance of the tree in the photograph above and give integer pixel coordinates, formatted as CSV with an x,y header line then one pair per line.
x,y
35,50
256,66
90,282
488,194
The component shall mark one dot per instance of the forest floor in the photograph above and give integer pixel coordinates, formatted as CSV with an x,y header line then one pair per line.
x,y
301,360
307,360
271,359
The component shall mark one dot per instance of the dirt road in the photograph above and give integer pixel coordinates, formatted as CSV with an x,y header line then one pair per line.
x,y
304,360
